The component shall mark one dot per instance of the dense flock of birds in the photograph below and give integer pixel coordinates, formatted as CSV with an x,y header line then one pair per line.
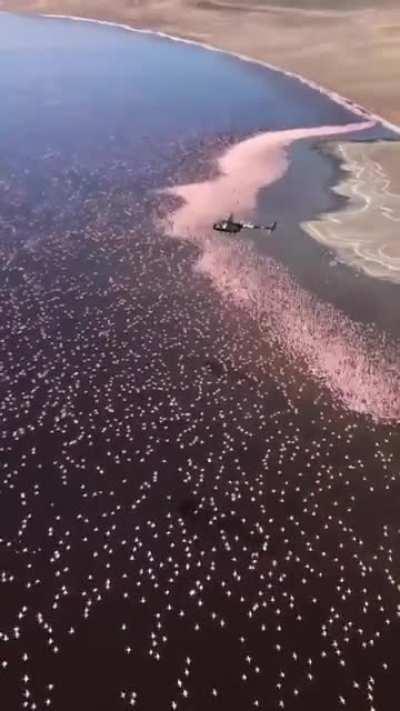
x,y
358,363
186,521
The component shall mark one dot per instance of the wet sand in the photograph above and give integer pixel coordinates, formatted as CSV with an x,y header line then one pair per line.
x,y
365,232
267,154
356,53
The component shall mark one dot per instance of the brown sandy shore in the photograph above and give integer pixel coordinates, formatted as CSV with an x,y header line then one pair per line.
x,y
354,51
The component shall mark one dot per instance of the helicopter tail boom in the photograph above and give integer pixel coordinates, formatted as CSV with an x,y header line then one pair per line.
x,y
268,228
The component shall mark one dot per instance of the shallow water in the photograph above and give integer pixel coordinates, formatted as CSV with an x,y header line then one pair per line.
x,y
188,518
365,234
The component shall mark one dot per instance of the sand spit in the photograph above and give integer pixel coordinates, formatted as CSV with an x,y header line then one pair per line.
x,y
365,234
356,365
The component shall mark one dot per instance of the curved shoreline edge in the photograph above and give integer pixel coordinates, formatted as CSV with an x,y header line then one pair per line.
x,y
352,106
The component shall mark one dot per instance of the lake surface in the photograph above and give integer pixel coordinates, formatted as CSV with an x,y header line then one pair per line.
x,y
198,497
67,85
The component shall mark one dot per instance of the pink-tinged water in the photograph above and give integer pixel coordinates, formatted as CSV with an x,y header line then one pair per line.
x,y
356,366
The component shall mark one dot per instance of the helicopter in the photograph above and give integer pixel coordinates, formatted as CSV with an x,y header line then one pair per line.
x,y
232,227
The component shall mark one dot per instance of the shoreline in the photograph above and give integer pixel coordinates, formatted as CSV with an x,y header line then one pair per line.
x,y
349,104
352,52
